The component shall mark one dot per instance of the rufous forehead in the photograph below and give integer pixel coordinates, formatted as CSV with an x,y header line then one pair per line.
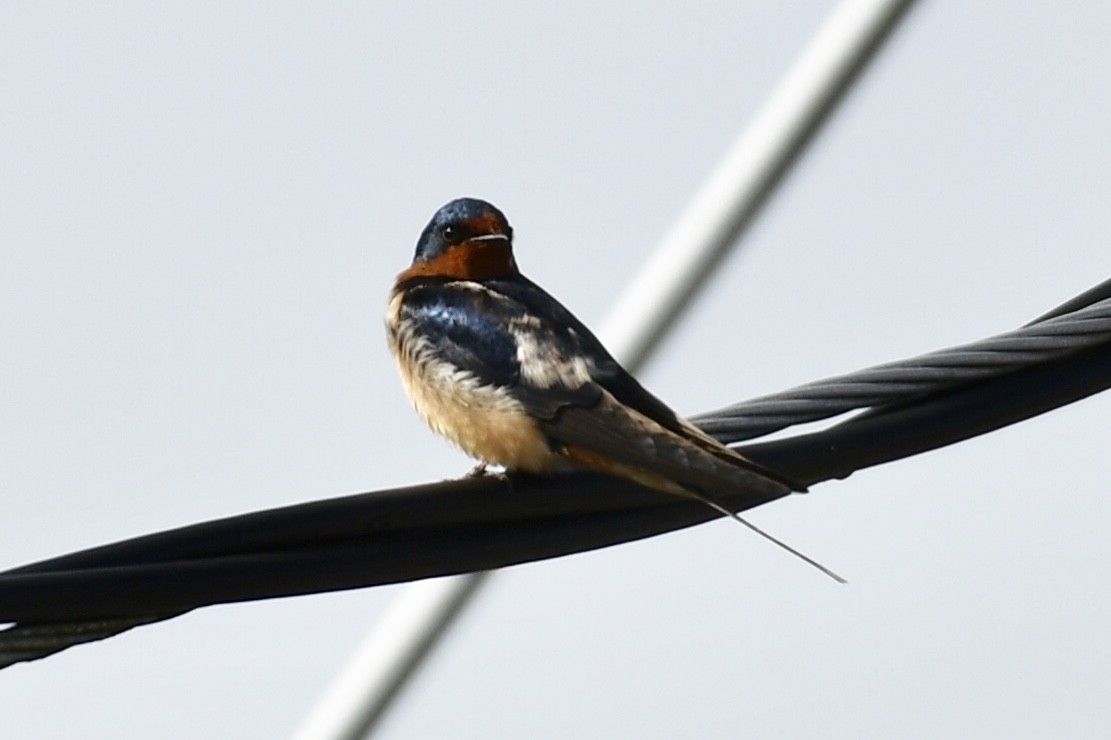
x,y
487,223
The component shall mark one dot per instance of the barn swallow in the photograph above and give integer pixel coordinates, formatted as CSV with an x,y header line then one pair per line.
x,y
498,366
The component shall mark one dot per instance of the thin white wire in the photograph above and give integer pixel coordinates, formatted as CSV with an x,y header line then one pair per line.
x,y
736,190
709,227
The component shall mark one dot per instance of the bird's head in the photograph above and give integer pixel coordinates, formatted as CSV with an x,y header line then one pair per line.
x,y
467,239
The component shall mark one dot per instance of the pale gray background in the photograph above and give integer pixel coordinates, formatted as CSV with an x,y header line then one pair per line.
x,y
202,206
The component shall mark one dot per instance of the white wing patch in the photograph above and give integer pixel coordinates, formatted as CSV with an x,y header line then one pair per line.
x,y
542,363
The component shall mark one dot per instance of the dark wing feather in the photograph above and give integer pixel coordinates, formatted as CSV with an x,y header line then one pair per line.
x,y
616,417
626,390
629,440
608,373
466,328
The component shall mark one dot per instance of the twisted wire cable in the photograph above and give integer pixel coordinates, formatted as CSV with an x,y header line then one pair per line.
x,y
1049,337
31,642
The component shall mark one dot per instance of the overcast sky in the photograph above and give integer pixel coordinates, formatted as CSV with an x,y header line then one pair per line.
x,y
203,205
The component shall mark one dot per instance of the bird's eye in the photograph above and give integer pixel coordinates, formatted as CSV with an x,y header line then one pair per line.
x,y
449,233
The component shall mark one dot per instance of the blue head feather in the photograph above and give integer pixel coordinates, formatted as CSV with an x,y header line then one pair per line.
x,y
455,223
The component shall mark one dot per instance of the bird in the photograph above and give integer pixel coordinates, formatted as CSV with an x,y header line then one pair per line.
x,y
501,368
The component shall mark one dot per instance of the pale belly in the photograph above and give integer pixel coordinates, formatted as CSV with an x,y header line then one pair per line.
x,y
486,422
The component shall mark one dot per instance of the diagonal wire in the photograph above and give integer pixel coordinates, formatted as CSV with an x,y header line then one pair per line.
x,y
678,268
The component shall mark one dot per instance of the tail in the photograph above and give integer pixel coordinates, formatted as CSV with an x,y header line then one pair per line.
x,y
734,515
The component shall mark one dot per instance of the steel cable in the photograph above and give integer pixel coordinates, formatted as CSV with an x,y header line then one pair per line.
x,y
891,383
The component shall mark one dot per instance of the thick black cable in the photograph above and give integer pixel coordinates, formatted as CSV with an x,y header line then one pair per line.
x,y
477,524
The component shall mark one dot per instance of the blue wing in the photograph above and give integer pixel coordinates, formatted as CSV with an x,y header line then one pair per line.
x,y
466,328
